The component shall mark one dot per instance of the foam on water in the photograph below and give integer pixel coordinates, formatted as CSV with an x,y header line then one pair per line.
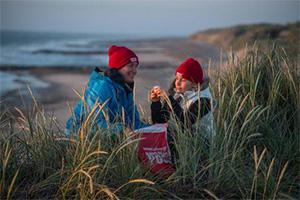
x,y
10,81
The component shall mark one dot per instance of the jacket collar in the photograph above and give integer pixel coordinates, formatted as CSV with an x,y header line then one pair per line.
x,y
189,97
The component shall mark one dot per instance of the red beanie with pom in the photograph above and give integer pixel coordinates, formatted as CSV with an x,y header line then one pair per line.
x,y
191,70
120,56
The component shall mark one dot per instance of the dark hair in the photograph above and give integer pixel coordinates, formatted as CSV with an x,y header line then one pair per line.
x,y
114,75
171,89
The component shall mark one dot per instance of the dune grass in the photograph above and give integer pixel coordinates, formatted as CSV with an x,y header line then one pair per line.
x,y
254,154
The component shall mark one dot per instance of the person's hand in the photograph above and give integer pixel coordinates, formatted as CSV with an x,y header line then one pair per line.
x,y
155,94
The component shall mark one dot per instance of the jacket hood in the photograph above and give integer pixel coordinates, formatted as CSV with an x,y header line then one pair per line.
x,y
113,77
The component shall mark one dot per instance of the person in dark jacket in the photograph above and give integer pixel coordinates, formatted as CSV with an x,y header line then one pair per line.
x,y
189,97
189,100
109,95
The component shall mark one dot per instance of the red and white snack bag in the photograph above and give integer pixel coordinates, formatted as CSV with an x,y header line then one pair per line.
x,y
153,149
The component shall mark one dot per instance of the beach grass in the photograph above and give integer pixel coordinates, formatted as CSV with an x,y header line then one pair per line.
x,y
253,155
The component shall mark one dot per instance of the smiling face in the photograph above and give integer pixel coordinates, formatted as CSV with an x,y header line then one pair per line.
x,y
182,84
129,71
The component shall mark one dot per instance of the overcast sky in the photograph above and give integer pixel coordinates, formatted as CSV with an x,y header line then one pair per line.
x,y
163,18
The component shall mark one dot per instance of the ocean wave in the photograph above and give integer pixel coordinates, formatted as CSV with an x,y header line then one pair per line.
x,y
46,49
69,52
10,81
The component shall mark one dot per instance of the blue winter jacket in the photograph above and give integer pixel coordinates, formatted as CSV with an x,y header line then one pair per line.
x,y
119,109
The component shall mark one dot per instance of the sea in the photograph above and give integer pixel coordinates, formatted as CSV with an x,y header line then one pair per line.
x,y
44,49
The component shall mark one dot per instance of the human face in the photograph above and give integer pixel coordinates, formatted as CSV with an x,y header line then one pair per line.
x,y
129,71
182,84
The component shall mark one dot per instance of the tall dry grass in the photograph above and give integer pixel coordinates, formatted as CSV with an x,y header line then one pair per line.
x,y
254,154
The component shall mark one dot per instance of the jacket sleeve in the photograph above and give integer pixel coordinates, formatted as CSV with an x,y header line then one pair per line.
x,y
159,113
74,121
95,97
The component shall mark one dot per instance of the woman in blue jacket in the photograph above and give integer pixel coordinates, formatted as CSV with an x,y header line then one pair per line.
x,y
109,95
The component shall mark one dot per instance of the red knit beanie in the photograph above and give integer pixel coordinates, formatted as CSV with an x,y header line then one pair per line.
x,y
191,70
120,56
